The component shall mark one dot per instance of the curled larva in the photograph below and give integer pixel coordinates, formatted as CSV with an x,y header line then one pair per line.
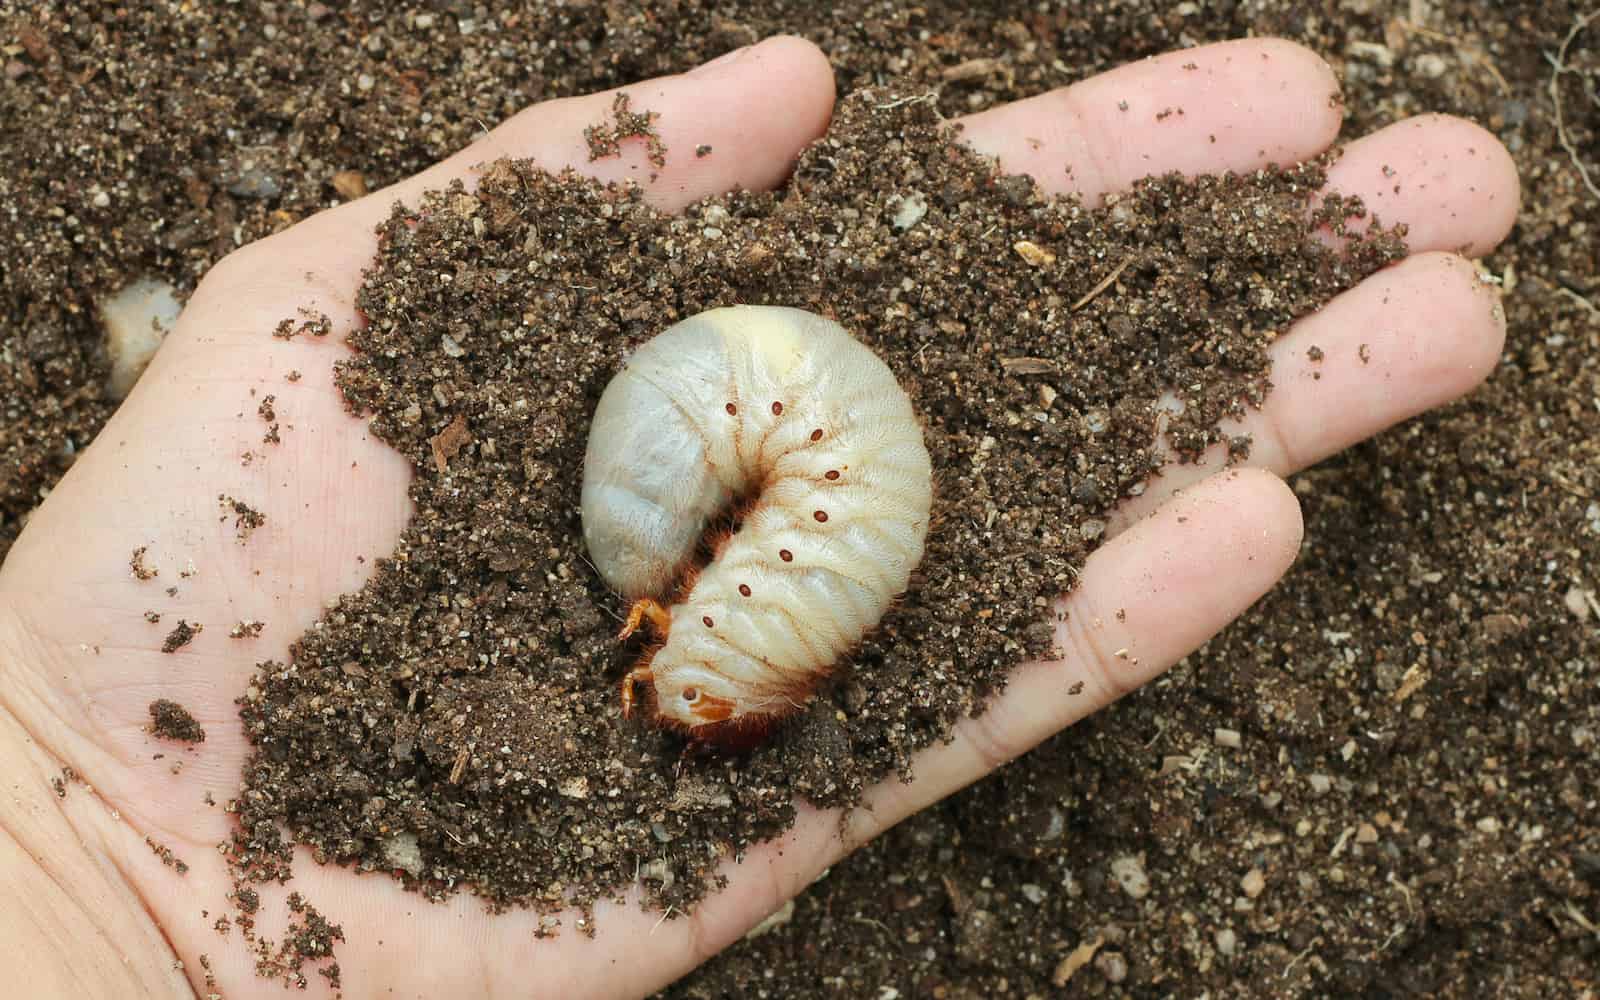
x,y
785,413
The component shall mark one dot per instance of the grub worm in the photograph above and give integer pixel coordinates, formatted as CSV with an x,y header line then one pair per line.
x,y
803,433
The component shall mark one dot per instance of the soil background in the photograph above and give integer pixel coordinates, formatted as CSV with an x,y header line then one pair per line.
x,y
1410,808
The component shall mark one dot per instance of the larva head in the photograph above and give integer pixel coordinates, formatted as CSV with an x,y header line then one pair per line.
x,y
692,696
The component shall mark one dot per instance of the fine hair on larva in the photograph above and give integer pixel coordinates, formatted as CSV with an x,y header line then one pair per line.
x,y
785,412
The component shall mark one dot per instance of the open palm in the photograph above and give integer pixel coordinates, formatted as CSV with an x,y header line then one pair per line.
x,y
79,663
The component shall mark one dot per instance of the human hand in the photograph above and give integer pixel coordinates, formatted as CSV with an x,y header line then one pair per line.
x,y
78,665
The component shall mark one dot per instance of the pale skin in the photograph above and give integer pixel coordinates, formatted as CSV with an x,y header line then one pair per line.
x,y
88,910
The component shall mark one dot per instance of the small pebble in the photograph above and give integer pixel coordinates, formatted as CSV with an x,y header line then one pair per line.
x,y
351,184
1128,871
1577,602
1253,883
576,787
1227,942
135,320
255,182
909,210
1033,893
1431,65
977,931
1112,965
1228,738
1320,783
659,871
403,852
1033,253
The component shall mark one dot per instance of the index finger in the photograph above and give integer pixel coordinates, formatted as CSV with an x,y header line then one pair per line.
x,y
739,121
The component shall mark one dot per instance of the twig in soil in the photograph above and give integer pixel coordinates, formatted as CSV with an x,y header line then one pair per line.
x,y
1298,958
1399,929
1405,891
1562,484
1594,310
927,98
1102,286
1581,920
1559,64
663,919
1161,731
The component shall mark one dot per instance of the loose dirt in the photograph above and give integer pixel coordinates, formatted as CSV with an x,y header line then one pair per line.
x,y
1410,796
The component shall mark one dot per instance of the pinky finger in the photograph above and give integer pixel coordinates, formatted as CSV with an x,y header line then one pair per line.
x,y
1147,598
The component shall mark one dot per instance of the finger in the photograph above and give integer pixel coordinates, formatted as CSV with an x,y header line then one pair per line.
x,y
1237,106
1407,339
756,110
1147,598
1452,183
737,122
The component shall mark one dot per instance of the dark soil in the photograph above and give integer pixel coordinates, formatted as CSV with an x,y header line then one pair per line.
x,y
181,635
482,659
1371,833
171,721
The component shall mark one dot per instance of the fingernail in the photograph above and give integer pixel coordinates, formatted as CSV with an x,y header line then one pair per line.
x,y
725,59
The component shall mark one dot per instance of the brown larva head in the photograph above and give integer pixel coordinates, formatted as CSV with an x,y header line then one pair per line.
x,y
690,695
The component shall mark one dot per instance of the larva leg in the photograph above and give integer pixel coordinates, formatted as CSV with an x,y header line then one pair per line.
x,y
647,607
634,676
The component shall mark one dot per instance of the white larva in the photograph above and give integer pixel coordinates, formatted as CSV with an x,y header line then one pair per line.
x,y
785,410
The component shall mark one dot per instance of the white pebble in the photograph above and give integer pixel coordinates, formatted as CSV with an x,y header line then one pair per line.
x,y
1577,602
1431,65
135,321
1227,941
1128,871
402,851
908,210
1253,883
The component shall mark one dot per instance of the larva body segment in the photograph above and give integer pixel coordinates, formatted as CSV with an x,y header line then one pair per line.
x,y
788,411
